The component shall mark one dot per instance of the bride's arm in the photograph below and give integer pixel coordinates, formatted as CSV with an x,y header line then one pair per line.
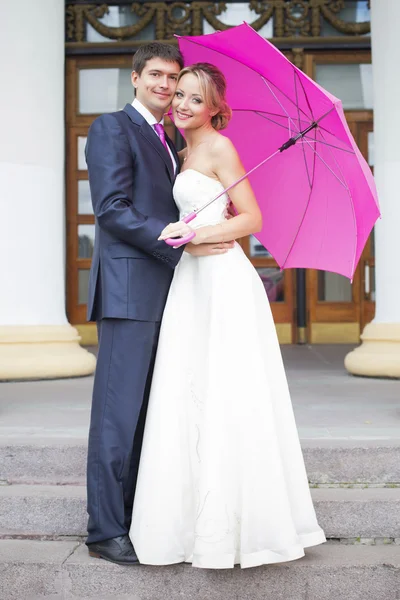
x,y
228,169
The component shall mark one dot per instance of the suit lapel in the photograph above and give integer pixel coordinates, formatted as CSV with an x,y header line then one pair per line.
x,y
150,135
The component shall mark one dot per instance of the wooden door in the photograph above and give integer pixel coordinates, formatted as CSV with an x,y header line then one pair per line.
x,y
94,85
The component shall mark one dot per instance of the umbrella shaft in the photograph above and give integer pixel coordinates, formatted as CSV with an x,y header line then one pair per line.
x,y
301,134
285,146
196,212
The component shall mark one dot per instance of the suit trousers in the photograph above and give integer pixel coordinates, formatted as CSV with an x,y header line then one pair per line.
x,y
125,363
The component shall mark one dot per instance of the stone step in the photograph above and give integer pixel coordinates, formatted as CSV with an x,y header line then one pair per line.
x,y
372,462
45,510
33,570
352,461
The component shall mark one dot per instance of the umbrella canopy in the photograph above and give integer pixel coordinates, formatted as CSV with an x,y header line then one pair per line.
x,y
316,192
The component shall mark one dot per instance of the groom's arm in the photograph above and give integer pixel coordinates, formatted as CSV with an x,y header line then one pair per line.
x,y
111,178
209,249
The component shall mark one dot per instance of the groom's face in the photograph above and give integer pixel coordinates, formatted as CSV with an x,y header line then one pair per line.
x,y
155,86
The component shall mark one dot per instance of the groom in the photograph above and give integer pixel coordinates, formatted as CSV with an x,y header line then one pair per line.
x,y
132,165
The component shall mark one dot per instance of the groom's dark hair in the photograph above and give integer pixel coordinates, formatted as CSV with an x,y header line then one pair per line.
x,y
146,52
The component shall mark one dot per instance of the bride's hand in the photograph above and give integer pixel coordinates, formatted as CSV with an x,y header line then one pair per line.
x,y
176,230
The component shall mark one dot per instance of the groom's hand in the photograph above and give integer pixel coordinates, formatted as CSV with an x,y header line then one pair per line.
x,y
209,249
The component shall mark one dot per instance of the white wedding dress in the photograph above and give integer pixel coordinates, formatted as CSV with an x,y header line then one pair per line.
x,y
222,478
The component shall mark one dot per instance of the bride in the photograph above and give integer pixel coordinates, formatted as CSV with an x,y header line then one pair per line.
x,y
222,479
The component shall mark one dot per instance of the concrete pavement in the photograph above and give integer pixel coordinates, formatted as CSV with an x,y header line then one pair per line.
x,y
329,404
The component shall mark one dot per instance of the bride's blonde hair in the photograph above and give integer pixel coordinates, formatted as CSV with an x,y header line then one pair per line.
x,y
213,87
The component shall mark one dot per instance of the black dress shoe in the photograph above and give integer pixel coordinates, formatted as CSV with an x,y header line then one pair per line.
x,y
118,550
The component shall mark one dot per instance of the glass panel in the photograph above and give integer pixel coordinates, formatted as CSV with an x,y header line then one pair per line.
x,y
372,282
83,285
84,200
235,14
353,11
274,283
120,16
85,241
371,149
257,249
104,90
369,281
82,166
352,84
333,287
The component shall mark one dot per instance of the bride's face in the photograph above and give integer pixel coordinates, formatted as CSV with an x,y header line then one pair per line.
x,y
188,106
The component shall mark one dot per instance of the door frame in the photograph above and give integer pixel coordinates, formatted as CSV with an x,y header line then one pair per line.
x,y
339,322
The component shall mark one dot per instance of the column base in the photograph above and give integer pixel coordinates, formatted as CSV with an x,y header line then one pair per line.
x,y
42,352
379,353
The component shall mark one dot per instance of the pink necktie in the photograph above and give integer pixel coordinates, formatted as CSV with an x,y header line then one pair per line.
x,y
159,127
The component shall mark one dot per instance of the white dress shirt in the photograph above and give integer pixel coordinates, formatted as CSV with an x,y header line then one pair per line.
x,y
146,114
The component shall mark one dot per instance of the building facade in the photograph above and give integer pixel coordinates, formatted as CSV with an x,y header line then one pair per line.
x,y
47,219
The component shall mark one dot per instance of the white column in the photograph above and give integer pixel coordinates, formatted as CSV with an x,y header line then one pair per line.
x,y
379,353
35,338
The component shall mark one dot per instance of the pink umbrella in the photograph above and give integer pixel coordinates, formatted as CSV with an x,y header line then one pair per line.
x,y
315,190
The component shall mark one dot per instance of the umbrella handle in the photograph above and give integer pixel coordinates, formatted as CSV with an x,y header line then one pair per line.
x,y
187,238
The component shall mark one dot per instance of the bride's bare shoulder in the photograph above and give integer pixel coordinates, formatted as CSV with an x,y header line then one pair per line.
x,y
221,142
222,147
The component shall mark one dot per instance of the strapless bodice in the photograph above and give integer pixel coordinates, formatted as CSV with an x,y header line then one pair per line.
x,y
192,190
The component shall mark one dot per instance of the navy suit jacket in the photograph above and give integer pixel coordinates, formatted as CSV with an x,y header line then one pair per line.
x,y
131,179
